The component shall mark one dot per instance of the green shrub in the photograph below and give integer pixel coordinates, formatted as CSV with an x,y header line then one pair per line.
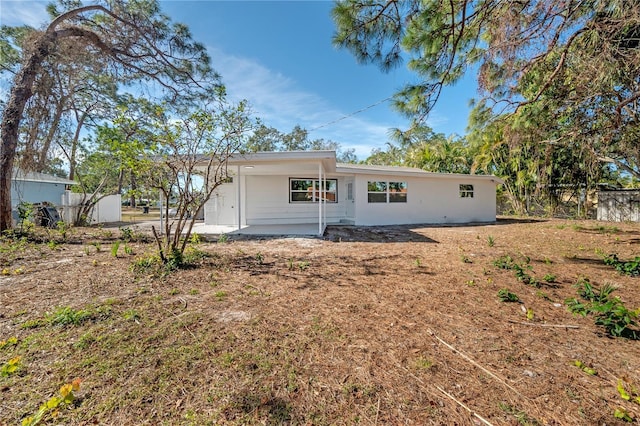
x,y
506,296
609,312
630,267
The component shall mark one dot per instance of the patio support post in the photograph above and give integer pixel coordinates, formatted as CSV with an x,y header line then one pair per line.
x,y
319,201
239,200
324,200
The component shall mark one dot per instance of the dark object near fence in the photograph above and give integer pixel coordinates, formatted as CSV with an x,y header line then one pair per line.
x,y
47,216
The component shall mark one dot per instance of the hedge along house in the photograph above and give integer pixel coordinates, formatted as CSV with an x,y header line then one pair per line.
x,y
304,191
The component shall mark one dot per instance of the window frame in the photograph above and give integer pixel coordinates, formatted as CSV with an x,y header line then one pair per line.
x,y
390,196
313,189
466,190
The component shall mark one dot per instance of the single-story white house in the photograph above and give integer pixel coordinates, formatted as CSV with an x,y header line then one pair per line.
x,y
309,187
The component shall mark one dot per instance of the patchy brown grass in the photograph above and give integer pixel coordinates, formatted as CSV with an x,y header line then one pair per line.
x,y
395,325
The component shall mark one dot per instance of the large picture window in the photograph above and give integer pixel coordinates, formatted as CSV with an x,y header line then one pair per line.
x,y
386,192
311,190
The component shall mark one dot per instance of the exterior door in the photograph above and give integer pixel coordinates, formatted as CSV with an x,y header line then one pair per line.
x,y
350,198
224,206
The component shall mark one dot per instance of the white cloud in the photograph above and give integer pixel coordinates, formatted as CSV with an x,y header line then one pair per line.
x,y
23,12
281,103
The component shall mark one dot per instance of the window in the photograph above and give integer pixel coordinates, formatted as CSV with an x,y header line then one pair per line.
x,y
350,191
466,191
387,192
397,192
311,191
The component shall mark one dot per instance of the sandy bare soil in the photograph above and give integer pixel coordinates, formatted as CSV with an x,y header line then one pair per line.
x,y
388,325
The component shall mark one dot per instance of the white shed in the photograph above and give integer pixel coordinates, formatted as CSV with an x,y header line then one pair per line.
x,y
309,187
619,205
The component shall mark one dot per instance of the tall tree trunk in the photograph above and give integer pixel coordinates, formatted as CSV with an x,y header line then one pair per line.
x,y
133,189
20,93
74,144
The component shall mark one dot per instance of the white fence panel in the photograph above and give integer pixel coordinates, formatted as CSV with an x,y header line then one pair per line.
x,y
108,209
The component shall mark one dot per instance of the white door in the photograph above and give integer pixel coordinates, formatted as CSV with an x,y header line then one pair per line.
x,y
224,205
350,199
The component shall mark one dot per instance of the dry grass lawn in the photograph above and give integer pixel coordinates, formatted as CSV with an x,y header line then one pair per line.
x,y
389,325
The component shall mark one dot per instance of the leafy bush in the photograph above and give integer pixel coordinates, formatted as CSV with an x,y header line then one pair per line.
x,y
631,267
609,311
506,296
68,316
504,262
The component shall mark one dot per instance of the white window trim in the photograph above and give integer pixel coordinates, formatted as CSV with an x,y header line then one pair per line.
x,y
387,192
315,186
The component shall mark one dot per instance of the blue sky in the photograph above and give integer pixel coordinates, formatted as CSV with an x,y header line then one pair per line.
x,y
279,56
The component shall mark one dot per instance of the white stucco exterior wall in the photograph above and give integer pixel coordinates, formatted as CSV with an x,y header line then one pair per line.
x,y
429,200
267,202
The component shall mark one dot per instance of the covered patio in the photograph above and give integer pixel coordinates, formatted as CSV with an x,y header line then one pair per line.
x,y
306,229
250,203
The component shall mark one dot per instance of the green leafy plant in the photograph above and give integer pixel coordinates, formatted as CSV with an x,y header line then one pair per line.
x,y
632,395
422,363
530,314
490,241
145,264
504,262
114,248
10,367
609,312
68,316
549,278
584,367
126,233
630,267
11,341
223,238
195,238
63,229
65,397
25,216
506,296
622,414
303,265
260,258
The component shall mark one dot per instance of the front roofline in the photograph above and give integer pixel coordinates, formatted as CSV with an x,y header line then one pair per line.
x,y
327,158
358,169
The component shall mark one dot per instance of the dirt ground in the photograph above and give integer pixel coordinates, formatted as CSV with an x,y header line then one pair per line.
x,y
382,325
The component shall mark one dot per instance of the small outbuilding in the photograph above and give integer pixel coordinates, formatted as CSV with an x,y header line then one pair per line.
x,y
619,205
309,188
37,188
